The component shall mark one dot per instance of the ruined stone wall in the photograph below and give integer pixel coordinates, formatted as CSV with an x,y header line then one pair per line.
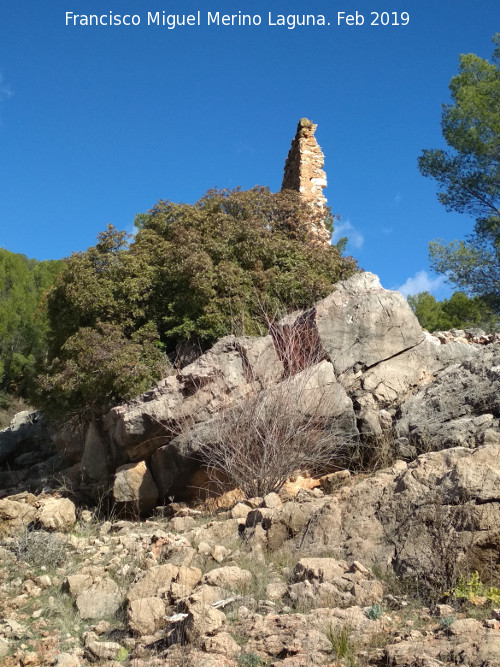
x,y
304,174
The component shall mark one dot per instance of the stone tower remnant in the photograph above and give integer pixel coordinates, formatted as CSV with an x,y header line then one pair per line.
x,y
304,174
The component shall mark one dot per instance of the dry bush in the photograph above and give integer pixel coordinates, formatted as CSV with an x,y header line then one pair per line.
x,y
262,441
40,548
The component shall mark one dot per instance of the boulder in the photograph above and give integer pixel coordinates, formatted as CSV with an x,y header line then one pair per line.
x,y
15,515
354,321
100,600
97,650
135,486
146,615
231,578
154,582
228,371
319,569
57,514
75,584
202,621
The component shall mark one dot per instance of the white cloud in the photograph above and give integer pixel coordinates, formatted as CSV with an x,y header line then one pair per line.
x,y
5,90
341,229
421,282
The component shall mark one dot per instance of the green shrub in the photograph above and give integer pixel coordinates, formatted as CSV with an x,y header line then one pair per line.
x,y
250,660
192,274
446,621
374,612
473,588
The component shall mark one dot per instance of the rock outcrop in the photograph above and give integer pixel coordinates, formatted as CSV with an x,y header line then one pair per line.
x,y
27,453
386,380
460,408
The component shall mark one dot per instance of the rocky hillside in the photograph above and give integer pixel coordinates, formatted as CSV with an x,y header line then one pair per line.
x,y
386,553
358,570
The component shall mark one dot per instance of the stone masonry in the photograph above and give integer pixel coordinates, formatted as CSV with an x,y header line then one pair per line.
x,y
304,174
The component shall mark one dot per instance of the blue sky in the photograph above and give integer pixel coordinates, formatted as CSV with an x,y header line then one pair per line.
x,y
98,123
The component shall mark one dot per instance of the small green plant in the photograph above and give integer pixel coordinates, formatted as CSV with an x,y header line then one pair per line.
x,y
374,612
446,621
493,595
468,588
473,588
250,660
342,644
122,655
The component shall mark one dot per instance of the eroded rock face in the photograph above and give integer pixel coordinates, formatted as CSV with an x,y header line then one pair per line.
x,y
24,428
360,324
460,408
442,510
231,369
359,356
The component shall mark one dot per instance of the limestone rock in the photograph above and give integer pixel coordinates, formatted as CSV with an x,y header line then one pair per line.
x,y
27,431
146,615
272,500
76,584
217,532
57,514
102,599
94,462
185,581
203,620
319,569
100,650
153,582
398,516
229,577
4,648
135,486
222,643
15,515
334,480
458,407
466,626
240,511
67,660
368,356
226,372
353,323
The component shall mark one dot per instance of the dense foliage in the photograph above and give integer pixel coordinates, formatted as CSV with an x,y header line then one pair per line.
x,y
23,318
469,176
192,274
457,312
